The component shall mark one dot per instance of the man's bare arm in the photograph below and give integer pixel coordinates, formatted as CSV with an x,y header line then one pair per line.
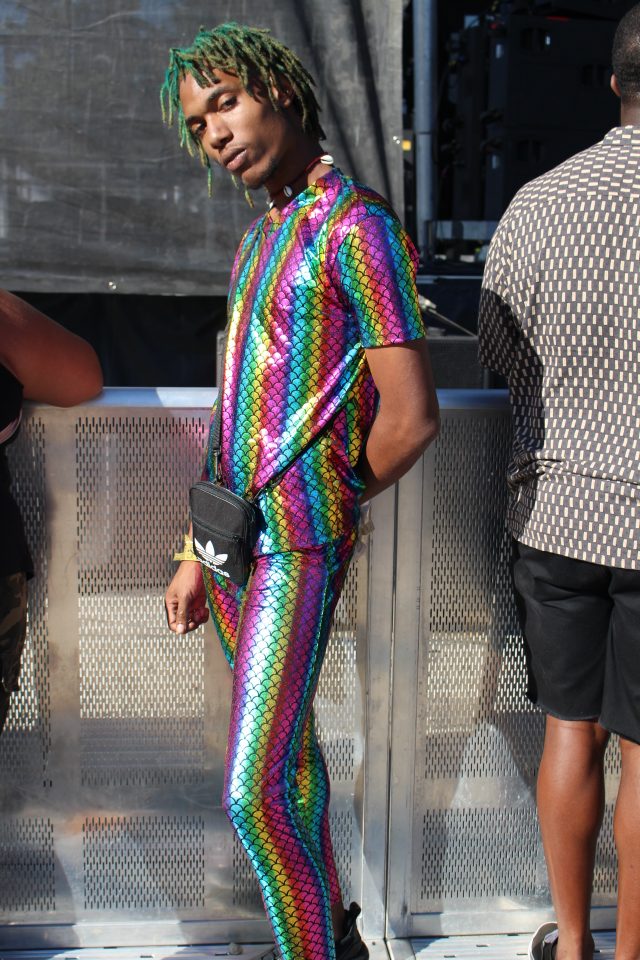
x,y
408,416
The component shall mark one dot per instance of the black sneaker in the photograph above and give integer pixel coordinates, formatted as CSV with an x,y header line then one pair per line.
x,y
351,946
544,942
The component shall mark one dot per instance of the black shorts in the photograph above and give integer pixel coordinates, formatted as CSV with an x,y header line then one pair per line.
x,y
581,624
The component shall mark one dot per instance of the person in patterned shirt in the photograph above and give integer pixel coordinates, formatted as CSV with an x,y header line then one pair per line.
x,y
559,320
327,398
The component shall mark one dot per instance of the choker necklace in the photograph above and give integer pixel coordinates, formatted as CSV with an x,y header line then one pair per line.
x,y
325,158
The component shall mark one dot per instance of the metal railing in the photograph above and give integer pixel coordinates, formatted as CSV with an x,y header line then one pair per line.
x,y
111,830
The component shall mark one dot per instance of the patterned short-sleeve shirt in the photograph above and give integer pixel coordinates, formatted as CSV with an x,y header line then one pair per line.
x,y
333,275
560,319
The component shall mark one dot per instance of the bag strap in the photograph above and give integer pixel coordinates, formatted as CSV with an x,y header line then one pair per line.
x,y
216,444
216,448
216,438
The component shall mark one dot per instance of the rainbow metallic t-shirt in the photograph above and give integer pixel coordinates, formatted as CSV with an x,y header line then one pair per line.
x,y
334,275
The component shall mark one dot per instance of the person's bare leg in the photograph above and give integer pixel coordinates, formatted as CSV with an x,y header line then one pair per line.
x,y
570,797
627,836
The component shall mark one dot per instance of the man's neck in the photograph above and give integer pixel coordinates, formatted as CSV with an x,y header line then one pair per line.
x,y
630,115
296,172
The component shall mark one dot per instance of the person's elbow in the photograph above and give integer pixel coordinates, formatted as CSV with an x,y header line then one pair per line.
x,y
414,430
87,383
94,383
430,429
425,429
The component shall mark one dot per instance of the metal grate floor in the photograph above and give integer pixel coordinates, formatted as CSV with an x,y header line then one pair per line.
x,y
498,947
493,947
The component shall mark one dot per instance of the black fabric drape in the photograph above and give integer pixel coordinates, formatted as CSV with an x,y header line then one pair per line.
x,y
95,193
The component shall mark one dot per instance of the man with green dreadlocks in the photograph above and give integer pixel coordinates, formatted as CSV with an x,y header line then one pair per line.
x,y
327,398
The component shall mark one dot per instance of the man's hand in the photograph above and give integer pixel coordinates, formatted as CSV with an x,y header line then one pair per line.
x,y
186,600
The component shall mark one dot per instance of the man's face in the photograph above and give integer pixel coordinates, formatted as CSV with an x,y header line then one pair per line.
x,y
240,132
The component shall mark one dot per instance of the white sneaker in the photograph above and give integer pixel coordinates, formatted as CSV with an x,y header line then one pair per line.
x,y
543,942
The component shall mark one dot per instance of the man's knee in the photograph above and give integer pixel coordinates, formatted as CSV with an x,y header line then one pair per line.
x,y
577,741
247,799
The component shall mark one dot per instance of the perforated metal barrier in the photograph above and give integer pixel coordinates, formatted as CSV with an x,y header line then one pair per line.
x,y
111,830
471,858
112,759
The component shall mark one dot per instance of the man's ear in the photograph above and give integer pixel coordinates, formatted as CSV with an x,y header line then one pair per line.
x,y
615,86
283,94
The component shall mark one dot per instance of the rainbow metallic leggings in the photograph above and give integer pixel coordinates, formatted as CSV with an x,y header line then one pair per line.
x,y
274,634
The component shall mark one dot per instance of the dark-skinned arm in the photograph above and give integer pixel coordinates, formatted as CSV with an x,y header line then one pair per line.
x,y
408,416
52,364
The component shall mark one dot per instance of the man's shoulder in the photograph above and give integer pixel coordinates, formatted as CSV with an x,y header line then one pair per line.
x,y
359,201
583,173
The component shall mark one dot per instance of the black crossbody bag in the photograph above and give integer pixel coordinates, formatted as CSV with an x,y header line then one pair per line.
x,y
225,526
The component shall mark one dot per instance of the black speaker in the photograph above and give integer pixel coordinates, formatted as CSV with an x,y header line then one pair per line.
x,y
546,72
472,76
602,9
548,97
455,365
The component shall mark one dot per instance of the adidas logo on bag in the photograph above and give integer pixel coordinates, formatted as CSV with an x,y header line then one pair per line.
x,y
209,556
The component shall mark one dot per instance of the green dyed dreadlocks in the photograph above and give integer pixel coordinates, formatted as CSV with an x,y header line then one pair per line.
x,y
249,53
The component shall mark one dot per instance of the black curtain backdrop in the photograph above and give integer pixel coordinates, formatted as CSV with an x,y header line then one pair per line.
x,y
143,341
96,196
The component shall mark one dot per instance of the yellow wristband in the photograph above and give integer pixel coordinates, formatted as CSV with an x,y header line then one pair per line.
x,y
187,553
